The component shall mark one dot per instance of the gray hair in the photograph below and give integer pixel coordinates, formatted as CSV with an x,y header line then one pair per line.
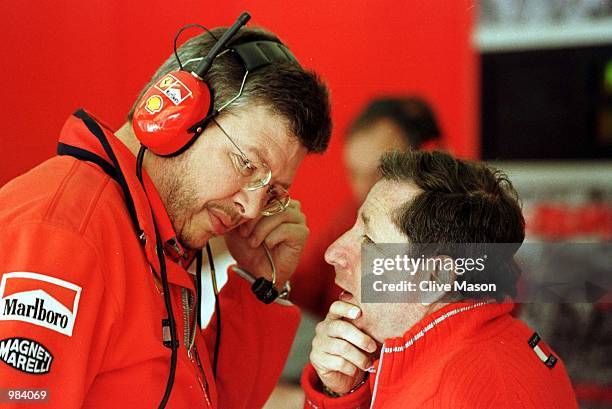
x,y
286,89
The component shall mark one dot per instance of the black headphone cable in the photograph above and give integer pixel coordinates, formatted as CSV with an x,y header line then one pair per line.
x,y
213,276
169,322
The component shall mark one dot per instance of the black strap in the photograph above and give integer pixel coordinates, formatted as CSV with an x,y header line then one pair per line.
x,y
198,286
64,149
113,170
256,54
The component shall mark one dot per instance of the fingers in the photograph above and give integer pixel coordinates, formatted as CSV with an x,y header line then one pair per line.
x,y
341,353
325,362
247,227
348,332
260,228
343,309
344,350
292,234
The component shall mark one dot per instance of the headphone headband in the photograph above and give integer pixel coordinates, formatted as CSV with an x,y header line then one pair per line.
x,y
256,54
169,117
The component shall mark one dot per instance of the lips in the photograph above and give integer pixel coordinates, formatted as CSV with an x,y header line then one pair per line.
x,y
217,225
345,296
220,221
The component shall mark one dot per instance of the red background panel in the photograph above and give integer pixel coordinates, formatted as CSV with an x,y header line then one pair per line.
x,y
62,54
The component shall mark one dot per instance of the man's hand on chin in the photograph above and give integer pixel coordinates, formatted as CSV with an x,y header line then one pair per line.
x,y
341,353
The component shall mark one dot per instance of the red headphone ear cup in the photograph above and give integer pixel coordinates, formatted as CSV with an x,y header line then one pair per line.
x,y
168,109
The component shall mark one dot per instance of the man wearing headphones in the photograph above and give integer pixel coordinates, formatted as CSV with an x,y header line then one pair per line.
x,y
97,307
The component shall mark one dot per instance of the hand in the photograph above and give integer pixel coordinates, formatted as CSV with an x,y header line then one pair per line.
x,y
285,235
341,353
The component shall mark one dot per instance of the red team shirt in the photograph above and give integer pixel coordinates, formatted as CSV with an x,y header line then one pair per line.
x,y
464,356
81,302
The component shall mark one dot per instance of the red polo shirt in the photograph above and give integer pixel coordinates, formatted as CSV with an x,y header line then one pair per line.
x,y
463,356
81,303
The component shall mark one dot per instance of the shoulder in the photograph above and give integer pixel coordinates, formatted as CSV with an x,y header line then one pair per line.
x,y
63,212
501,370
62,192
62,219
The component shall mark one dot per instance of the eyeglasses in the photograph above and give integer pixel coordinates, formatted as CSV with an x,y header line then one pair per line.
x,y
257,175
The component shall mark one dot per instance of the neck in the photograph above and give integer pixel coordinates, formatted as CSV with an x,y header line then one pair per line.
x,y
431,308
151,164
126,135
416,315
160,170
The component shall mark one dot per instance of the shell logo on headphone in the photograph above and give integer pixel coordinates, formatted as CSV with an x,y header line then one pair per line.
x,y
154,104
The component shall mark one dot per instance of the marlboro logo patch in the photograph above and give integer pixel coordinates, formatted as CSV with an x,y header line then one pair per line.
x,y
26,355
40,300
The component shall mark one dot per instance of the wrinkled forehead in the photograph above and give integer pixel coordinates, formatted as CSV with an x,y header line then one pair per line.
x,y
259,124
381,206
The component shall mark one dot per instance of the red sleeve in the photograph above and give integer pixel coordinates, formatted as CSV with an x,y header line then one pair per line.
x,y
55,316
255,342
316,399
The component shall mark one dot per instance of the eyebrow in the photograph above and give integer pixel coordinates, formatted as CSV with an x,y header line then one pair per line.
x,y
366,220
264,155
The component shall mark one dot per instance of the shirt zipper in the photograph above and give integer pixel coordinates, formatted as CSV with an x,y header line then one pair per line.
x,y
189,340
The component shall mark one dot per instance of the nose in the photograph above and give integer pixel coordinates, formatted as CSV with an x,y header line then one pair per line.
x,y
250,202
336,254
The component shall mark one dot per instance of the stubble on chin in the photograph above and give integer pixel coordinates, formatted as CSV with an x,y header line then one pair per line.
x,y
181,205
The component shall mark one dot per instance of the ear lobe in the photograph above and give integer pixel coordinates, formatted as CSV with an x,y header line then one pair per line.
x,y
440,281
441,274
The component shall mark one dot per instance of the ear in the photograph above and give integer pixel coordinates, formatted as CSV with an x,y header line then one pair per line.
x,y
443,272
440,276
